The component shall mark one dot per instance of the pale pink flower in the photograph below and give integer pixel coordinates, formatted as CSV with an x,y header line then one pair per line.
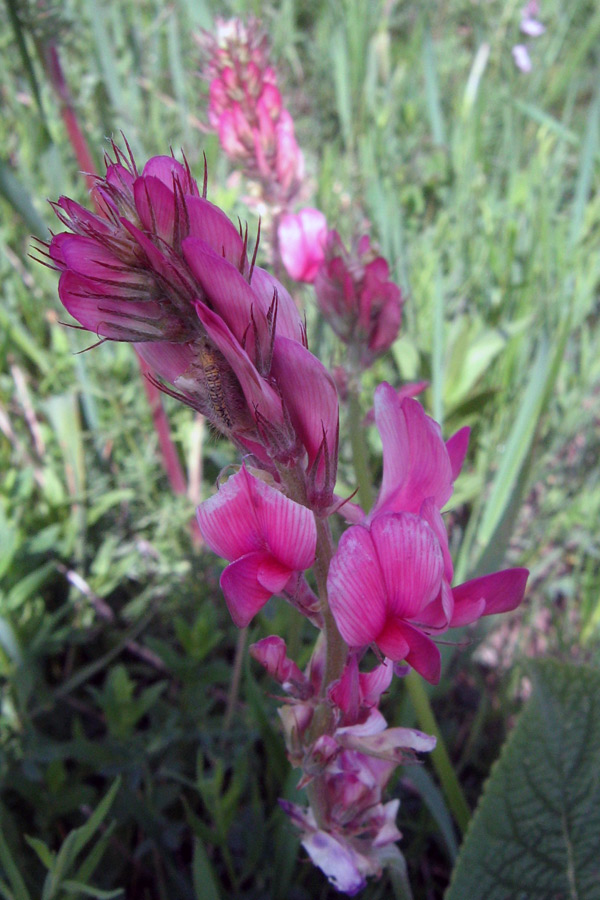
x,y
266,536
246,108
522,58
302,243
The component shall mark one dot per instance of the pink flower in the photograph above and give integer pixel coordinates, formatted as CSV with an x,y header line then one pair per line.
x,y
271,653
267,538
389,582
356,297
166,269
301,243
522,58
246,108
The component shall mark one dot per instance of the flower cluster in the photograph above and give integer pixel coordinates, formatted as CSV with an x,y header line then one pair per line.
x,y
167,270
246,109
352,288
347,830
162,267
531,27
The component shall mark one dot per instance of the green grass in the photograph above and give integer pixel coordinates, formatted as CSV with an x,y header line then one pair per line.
x,y
480,185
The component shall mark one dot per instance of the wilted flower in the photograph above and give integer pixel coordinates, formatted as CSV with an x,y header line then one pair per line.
x,y
356,297
167,270
389,582
302,243
246,109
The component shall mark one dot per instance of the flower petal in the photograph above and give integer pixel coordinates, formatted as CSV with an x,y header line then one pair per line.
x,y
289,322
457,447
422,653
356,588
497,593
228,293
156,206
416,464
210,224
243,592
411,562
310,397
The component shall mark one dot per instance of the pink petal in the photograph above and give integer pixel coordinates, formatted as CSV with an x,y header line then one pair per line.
x,y
457,447
411,562
271,653
210,224
228,293
433,517
289,322
167,169
390,743
227,520
155,203
85,256
422,654
247,514
532,27
522,58
373,684
309,395
302,241
119,319
416,464
243,592
501,592
168,360
356,588
288,528
391,640
342,865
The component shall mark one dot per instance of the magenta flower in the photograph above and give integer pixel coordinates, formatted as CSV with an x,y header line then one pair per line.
x,y
390,581
246,109
302,243
355,295
166,269
266,537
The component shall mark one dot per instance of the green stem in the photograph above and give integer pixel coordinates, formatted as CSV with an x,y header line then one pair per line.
x,y
441,761
359,448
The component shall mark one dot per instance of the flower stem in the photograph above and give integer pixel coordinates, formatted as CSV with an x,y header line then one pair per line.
x,y
441,761
359,447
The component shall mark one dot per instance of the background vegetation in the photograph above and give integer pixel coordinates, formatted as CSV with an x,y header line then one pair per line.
x,y
479,183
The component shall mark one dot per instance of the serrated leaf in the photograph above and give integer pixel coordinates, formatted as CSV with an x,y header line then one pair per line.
x,y
536,832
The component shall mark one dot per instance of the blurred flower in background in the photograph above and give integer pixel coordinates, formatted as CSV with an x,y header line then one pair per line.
x,y
246,109
531,27
302,240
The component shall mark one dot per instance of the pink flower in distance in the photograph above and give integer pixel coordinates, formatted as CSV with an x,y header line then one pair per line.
x,y
355,295
390,580
302,243
246,109
266,537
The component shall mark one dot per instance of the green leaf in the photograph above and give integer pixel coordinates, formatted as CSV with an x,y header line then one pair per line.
x,y
535,832
19,890
85,890
205,880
